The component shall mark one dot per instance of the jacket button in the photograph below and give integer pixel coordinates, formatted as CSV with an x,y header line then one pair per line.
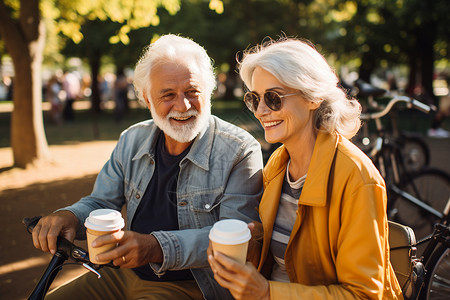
x,y
138,196
182,203
207,206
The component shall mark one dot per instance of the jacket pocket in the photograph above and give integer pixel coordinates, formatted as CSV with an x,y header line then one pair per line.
x,y
205,208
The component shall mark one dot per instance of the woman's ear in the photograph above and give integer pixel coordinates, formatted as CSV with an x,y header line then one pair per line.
x,y
313,105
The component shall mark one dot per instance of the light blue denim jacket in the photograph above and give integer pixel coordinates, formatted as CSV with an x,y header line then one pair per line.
x,y
220,178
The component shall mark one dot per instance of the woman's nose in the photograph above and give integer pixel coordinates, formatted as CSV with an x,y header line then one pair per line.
x,y
262,109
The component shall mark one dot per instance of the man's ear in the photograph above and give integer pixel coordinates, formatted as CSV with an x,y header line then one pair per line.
x,y
147,102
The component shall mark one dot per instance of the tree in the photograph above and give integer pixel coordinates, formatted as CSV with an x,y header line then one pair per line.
x,y
393,32
22,28
24,38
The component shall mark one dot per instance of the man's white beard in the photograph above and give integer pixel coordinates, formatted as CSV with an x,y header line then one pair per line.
x,y
183,133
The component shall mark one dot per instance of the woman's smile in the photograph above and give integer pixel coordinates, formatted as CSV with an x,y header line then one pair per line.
x,y
270,124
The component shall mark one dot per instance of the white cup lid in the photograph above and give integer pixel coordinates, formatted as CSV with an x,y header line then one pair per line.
x,y
230,232
104,220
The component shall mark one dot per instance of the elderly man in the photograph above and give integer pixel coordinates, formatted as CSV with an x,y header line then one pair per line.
x,y
177,174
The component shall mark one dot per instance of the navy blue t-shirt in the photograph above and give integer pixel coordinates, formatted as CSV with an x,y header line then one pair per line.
x,y
158,207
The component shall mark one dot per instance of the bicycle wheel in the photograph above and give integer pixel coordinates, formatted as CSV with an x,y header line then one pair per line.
x,y
415,153
430,186
437,281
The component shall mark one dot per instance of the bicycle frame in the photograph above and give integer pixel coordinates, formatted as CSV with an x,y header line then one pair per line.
x,y
386,154
413,200
47,278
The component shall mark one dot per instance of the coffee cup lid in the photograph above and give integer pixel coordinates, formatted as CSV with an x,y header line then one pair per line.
x,y
230,232
104,220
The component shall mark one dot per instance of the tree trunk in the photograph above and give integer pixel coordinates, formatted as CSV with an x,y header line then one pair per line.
x,y
367,66
94,63
25,42
426,44
412,76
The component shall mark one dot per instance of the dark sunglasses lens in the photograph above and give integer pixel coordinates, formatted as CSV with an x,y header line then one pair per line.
x,y
252,101
273,100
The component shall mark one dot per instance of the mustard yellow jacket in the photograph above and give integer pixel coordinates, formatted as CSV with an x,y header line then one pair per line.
x,y
338,248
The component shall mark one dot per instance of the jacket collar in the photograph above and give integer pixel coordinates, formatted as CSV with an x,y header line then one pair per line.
x,y
314,191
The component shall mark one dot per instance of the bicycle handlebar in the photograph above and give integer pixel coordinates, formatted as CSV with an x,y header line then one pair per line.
x,y
67,249
411,103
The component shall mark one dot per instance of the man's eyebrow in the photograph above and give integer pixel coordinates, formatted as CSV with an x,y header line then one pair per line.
x,y
194,86
163,91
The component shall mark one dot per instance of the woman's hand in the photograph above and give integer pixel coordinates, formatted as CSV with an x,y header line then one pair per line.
x,y
243,281
255,243
134,250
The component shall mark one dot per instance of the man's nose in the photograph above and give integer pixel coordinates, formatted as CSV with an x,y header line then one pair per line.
x,y
182,103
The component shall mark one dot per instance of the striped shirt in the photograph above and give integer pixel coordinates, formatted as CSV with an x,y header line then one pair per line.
x,y
284,222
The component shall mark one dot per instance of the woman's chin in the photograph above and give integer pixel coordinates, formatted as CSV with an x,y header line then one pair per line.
x,y
272,139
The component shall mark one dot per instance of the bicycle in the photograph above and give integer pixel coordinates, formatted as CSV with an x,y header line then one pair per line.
x,y
415,198
436,261
426,277
65,251
414,149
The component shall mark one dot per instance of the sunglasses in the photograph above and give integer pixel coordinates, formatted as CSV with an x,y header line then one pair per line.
x,y
271,98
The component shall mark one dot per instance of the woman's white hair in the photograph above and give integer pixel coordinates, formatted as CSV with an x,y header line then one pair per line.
x,y
172,48
298,65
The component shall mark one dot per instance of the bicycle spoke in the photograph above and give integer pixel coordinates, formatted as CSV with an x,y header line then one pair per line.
x,y
439,287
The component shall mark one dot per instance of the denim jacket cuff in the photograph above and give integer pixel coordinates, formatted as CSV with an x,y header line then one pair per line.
x,y
169,254
81,230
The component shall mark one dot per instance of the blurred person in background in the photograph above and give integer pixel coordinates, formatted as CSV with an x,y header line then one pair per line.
x,y
53,96
120,96
323,210
72,87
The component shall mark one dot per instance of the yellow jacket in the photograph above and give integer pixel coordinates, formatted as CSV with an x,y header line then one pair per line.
x,y
338,248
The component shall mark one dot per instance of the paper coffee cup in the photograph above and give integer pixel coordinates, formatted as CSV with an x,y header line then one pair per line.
x,y
230,237
101,222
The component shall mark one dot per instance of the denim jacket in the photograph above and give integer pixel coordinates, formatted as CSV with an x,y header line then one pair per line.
x,y
220,178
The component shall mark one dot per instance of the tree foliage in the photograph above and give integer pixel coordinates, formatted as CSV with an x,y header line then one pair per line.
x,y
22,28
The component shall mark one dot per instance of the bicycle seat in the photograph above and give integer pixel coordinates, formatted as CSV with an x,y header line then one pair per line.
x,y
366,89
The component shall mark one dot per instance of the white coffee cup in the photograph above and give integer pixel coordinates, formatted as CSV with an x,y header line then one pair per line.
x,y
230,237
101,222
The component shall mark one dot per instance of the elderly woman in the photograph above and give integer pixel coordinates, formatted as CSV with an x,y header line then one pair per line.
x,y
324,205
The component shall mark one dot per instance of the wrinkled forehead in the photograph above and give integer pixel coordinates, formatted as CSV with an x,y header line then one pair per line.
x,y
175,73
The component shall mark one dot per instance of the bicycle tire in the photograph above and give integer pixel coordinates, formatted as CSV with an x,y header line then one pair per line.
x,y
431,186
437,279
415,153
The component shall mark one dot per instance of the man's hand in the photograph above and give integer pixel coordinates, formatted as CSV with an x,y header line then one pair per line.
x,y
134,250
45,233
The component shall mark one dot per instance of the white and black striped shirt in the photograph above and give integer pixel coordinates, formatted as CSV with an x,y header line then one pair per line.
x,y
284,222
